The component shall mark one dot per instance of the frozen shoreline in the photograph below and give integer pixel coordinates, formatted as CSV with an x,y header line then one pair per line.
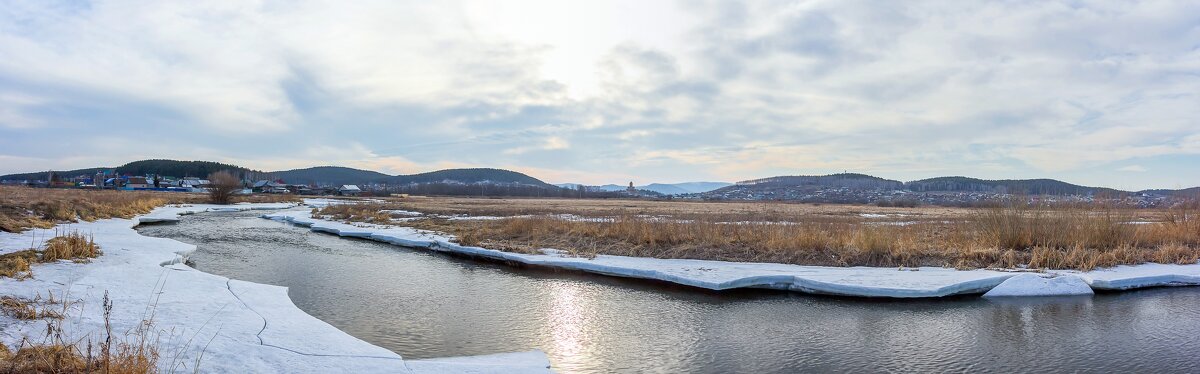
x,y
237,326
722,275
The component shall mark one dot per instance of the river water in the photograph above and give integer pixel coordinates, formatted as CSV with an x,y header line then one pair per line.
x,y
421,304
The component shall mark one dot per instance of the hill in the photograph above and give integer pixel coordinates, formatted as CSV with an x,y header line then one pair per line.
x,y
174,168
1009,186
171,168
662,188
41,175
698,187
325,175
1193,192
474,175
330,175
849,180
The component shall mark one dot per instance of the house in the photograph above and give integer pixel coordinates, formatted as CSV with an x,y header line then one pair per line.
x,y
299,189
349,190
193,183
321,191
137,182
268,186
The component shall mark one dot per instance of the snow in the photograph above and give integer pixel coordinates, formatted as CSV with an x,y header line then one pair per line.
x,y
1039,285
235,326
1126,277
714,275
529,362
402,212
721,275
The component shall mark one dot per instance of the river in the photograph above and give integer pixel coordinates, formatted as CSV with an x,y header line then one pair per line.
x,y
422,304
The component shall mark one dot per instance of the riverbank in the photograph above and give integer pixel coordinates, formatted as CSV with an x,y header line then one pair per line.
x,y
1082,236
890,282
200,321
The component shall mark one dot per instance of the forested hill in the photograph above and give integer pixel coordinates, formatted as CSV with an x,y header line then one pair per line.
x,y
171,168
1009,186
470,176
849,180
863,182
321,175
199,169
342,175
330,175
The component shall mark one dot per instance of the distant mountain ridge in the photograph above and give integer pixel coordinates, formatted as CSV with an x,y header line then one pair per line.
x,y
326,175
172,168
337,175
851,180
330,175
1040,186
1011,186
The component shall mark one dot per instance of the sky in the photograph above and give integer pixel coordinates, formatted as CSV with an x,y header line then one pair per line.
x,y
1101,93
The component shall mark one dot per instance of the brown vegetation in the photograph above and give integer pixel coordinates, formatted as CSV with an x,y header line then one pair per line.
x,y
23,208
366,212
16,264
70,246
135,353
30,309
223,185
1079,237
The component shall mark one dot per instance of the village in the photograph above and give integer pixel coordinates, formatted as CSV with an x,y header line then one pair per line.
x,y
113,181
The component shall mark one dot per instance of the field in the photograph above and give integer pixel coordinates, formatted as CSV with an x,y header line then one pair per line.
x,y
1067,237
23,208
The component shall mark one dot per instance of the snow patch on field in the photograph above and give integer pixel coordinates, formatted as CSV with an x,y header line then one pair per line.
x,y
238,327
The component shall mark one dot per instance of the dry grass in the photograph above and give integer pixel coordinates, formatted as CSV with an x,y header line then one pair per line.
x,y
366,212
23,208
681,209
26,309
72,245
135,353
16,264
1077,237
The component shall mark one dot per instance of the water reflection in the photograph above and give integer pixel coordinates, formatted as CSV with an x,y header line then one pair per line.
x,y
427,305
568,324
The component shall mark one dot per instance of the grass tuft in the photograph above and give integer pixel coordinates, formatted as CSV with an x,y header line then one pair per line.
x,y
73,246
16,264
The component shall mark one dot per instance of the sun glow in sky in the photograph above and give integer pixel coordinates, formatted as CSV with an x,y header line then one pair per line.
x,y
1097,93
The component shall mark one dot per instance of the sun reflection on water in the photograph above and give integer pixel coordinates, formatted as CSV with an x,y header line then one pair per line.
x,y
569,317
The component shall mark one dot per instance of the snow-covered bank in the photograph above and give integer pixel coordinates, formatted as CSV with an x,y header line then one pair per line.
x,y
237,326
1038,285
721,275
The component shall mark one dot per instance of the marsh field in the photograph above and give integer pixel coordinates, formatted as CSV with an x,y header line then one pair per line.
x,y
1080,236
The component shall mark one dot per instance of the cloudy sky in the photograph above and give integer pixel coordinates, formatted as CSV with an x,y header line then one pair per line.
x,y
1098,93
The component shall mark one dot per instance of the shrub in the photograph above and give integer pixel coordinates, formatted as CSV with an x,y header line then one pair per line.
x,y
222,186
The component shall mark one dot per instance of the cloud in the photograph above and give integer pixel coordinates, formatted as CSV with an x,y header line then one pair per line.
x,y
1132,168
678,91
549,144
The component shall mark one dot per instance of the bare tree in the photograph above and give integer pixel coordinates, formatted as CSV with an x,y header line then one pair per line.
x,y
222,186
